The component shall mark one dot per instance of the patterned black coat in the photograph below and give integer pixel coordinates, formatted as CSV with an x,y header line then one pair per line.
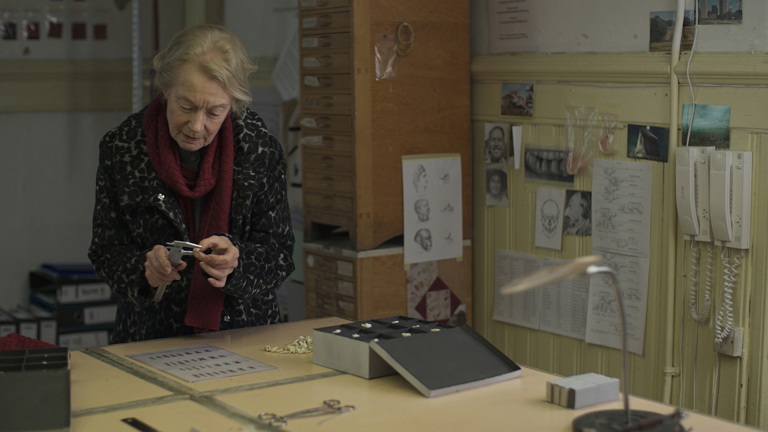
x,y
135,211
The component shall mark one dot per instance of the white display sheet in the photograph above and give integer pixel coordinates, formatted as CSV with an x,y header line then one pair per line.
x,y
603,326
521,308
512,26
621,207
564,305
201,363
432,207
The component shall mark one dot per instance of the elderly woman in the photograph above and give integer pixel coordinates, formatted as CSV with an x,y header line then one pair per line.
x,y
195,165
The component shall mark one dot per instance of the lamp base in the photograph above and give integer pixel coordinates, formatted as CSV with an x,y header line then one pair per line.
x,y
616,420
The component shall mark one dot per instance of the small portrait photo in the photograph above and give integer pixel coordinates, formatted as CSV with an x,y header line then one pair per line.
x,y
496,143
496,185
517,99
647,142
577,217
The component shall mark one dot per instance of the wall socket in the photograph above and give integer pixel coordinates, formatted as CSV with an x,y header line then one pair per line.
x,y
732,345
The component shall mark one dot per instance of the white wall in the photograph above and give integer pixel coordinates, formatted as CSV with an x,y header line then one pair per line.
x,y
47,173
566,26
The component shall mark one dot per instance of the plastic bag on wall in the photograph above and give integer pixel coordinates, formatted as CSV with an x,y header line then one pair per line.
x,y
385,52
581,125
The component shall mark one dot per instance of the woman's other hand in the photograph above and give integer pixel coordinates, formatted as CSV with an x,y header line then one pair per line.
x,y
220,262
158,269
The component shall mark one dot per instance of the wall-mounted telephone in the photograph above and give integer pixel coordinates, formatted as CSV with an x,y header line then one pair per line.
x,y
692,192
730,198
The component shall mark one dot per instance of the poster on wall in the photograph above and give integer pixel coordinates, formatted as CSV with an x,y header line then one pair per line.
x,y
517,99
512,26
432,207
97,29
720,12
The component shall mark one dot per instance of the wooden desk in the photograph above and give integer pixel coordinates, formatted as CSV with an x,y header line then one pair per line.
x,y
107,387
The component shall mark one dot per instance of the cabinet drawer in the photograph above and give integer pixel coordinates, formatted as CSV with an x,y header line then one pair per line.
x,y
326,123
322,4
332,143
333,164
324,21
332,104
332,285
329,304
325,63
328,203
327,264
328,183
330,83
333,41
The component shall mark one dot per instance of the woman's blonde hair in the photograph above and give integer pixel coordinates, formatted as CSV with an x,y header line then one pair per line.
x,y
217,52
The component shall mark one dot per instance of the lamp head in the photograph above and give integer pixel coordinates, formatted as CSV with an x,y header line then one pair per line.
x,y
551,274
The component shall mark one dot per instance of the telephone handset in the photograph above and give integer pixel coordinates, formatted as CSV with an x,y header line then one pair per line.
x,y
720,166
731,198
685,190
692,192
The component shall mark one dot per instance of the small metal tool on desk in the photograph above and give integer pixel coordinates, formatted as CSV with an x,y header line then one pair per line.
x,y
330,406
176,249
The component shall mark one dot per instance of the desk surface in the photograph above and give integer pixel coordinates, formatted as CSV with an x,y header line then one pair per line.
x,y
107,387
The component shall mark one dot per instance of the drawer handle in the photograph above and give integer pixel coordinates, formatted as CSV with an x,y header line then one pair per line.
x,y
328,201
327,142
322,3
323,122
324,21
325,61
324,41
327,182
325,81
327,162
325,102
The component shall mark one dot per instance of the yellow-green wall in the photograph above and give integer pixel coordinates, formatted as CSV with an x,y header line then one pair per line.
x,y
636,87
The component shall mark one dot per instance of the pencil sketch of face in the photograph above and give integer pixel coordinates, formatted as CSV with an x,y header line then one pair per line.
x,y
420,179
424,239
422,209
550,212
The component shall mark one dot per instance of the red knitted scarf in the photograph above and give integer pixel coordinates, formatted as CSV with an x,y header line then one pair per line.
x,y
214,181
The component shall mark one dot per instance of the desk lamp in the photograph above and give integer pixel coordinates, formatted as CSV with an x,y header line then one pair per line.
x,y
605,420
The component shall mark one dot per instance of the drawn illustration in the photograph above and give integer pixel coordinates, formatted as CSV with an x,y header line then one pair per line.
x,y
447,237
423,238
421,206
550,216
420,179
446,207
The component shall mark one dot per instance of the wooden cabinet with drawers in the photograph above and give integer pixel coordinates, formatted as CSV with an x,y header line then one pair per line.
x,y
339,281
355,128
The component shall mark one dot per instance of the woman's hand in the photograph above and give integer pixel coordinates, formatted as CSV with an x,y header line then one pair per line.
x,y
158,269
220,262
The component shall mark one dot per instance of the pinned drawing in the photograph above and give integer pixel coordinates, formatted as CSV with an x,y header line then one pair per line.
x,y
549,217
431,207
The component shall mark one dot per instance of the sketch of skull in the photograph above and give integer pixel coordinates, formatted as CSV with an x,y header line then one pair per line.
x,y
550,213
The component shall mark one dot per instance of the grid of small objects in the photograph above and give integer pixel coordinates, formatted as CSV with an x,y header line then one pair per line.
x,y
385,328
